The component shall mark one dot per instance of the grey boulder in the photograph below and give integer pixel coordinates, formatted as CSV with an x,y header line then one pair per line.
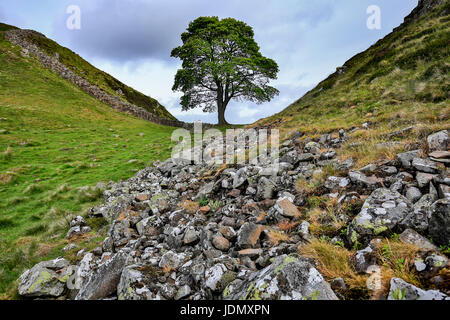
x,y
401,290
380,215
439,226
287,278
44,280
104,280
438,141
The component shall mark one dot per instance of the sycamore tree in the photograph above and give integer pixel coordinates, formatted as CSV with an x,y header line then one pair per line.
x,y
222,62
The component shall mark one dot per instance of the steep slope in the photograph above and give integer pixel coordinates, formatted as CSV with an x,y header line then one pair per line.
x,y
56,144
53,54
400,81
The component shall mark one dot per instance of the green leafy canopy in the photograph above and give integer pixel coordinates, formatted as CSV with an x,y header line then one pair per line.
x,y
221,62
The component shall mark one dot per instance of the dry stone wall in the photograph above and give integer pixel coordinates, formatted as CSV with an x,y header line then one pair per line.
x,y
19,37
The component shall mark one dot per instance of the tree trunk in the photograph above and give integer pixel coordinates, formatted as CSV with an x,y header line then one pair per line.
x,y
221,106
221,110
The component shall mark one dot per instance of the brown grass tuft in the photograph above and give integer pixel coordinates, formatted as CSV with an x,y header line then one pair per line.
x,y
276,237
334,262
398,257
287,225
189,206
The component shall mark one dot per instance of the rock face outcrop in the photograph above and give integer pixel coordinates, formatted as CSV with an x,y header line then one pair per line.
x,y
423,7
165,242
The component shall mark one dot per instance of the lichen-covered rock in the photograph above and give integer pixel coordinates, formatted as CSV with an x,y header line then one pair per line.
x,y
423,179
305,157
401,290
85,266
77,221
183,292
312,147
406,158
360,179
444,191
218,277
439,141
266,188
46,279
365,258
380,215
439,227
131,286
337,183
418,218
240,177
429,267
426,165
104,280
303,230
221,243
413,194
287,208
144,226
191,236
172,260
287,278
412,237
248,235
205,190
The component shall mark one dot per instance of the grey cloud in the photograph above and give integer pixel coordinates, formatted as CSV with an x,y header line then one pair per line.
x,y
308,39
125,30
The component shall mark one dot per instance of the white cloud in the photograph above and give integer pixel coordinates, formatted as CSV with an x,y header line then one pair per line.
x,y
246,112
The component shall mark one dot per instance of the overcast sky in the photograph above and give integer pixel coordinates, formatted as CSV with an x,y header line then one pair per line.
x,y
132,39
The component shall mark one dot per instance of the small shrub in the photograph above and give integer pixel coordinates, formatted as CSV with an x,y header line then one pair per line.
x,y
215,205
203,202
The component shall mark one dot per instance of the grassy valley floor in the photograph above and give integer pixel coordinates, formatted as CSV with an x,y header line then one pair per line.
x,y
56,144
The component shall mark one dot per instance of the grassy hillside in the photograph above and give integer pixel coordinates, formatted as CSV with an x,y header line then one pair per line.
x,y
400,81
95,76
55,139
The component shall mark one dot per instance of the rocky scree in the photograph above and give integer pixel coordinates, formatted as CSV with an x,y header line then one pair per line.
x,y
179,230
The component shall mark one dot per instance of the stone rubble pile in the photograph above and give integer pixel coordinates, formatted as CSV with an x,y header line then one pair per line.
x,y
191,231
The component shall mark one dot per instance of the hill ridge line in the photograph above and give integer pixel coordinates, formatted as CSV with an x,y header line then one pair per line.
x,y
19,37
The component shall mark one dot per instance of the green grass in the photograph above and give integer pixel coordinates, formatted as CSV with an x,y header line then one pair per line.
x,y
6,27
57,140
401,80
